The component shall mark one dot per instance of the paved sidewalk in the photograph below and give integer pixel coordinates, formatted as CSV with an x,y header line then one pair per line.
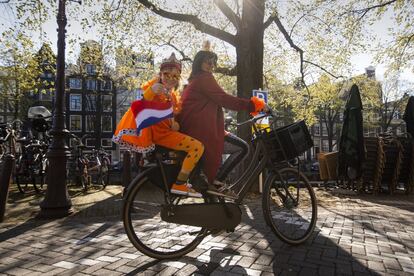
x,y
355,235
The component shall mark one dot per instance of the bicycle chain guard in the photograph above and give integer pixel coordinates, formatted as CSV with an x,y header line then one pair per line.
x,y
213,216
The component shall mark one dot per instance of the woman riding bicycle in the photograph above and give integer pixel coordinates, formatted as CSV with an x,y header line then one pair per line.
x,y
202,103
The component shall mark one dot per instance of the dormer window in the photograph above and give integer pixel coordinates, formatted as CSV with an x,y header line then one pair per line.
x,y
90,69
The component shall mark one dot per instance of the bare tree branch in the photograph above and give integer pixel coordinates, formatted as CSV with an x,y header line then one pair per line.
x,y
184,56
292,44
269,21
117,6
323,69
197,23
364,11
231,16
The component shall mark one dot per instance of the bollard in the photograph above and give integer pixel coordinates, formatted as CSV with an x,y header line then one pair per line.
x,y
126,169
6,169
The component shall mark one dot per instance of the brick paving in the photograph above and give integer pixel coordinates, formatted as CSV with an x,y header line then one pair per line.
x,y
355,235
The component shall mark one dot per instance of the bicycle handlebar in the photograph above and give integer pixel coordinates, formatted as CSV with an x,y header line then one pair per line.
x,y
255,118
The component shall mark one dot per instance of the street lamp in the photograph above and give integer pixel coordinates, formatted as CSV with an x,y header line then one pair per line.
x,y
57,202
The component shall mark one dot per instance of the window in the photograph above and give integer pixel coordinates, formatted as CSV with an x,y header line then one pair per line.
x,y
1,106
90,123
325,145
324,130
90,69
2,119
75,83
90,142
75,102
317,130
106,143
106,123
396,115
75,123
106,103
91,84
90,104
106,85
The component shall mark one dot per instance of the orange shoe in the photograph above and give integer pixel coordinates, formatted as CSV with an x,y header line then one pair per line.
x,y
184,189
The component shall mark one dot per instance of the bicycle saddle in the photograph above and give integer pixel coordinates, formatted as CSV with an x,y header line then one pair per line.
x,y
165,153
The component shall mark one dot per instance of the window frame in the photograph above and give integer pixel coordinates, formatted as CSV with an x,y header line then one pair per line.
x,y
70,102
102,125
77,79
86,123
106,139
70,122
102,103
87,84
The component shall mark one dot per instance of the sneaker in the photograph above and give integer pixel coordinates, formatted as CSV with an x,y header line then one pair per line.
x,y
184,189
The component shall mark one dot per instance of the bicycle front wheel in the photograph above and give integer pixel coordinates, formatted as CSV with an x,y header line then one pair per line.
x,y
289,206
148,232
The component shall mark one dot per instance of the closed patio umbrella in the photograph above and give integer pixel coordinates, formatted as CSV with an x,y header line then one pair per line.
x,y
409,116
351,145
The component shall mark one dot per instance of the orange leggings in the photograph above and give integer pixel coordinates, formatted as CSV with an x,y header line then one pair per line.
x,y
194,150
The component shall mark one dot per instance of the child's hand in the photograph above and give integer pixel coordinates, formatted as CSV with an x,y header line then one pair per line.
x,y
157,88
175,126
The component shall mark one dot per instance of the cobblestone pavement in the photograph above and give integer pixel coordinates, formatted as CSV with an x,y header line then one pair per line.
x,y
355,235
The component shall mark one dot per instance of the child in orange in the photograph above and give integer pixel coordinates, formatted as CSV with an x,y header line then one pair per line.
x,y
165,133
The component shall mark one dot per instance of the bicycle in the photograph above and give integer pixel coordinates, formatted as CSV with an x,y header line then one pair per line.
x,y
94,164
31,164
14,145
165,226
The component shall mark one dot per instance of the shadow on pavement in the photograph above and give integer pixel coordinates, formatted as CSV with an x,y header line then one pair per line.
x,y
344,242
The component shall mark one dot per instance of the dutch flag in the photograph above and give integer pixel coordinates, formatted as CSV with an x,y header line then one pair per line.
x,y
148,113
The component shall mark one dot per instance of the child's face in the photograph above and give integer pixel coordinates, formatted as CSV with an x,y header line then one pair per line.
x,y
170,77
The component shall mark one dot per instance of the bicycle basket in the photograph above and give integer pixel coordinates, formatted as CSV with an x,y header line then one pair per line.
x,y
287,142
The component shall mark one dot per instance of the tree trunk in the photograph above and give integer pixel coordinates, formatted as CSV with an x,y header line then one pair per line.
x,y
249,51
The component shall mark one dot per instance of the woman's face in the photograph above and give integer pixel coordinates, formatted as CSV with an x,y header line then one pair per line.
x,y
170,77
208,65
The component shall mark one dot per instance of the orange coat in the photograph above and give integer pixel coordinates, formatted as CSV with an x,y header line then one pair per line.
x,y
160,133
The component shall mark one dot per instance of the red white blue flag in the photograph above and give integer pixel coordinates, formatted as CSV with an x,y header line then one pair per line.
x,y
148,113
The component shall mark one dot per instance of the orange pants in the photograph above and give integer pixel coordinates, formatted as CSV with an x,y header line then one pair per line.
x,y
191,146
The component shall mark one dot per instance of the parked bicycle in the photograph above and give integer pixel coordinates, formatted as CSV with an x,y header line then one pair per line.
x,y
164,225
90,165
32,163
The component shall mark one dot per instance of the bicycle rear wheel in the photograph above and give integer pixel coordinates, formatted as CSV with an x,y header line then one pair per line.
x,y
148,232
21,178
289,206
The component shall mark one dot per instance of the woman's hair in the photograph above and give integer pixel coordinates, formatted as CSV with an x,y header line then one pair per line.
x,y
199,58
